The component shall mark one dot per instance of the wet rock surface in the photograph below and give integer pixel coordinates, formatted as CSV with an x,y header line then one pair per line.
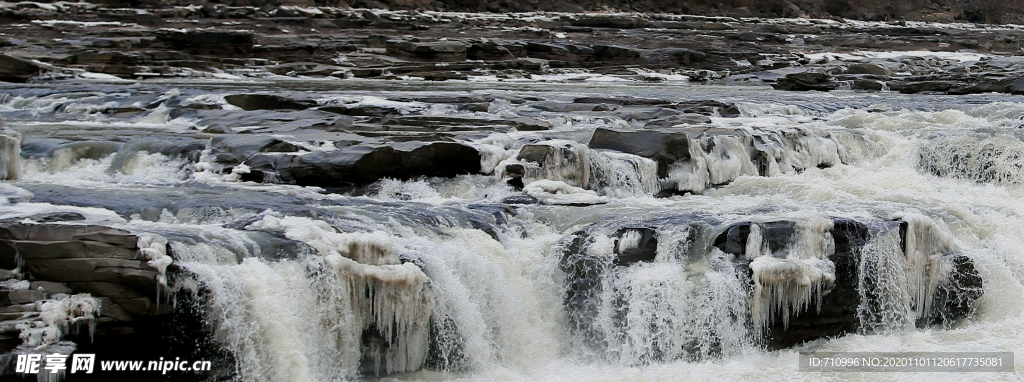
x,y
323,126
230,41
59,258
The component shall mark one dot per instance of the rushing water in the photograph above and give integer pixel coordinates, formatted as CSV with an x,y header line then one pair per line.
x,y
296,277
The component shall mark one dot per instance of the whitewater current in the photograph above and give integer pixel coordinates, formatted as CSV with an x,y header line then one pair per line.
x,y
478,296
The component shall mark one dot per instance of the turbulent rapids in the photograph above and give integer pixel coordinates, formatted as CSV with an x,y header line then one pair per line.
x,y
339,230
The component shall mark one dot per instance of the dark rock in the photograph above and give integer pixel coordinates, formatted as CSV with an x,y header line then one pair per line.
x,y
646,248
361,110
440,75
663,147
435,51
264,120
939,86
215,42
130,272
24,296
50,287
455,123
17,69
603,21
560,107
613,53
564,7
1016,86
840,310
520,199
535,64
365,163
489,51
645,114
807,80
709,108
867,68
863,84
236,148
633,101
267,102
985,85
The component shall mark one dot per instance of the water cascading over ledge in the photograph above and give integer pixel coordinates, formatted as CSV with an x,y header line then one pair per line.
x,y
352,306
10,152
982,156
668,161
694,286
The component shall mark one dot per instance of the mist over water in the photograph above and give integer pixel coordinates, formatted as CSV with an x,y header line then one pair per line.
x,y
452,288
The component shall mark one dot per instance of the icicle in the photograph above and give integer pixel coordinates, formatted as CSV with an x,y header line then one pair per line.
x,y
690,175
56,317
629,240
556,192
154,248
559,160
623,175
10,152
787,286
902,279
925,243
389,298
728,159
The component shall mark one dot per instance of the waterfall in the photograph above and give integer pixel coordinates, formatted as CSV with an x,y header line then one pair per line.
x,y
587,248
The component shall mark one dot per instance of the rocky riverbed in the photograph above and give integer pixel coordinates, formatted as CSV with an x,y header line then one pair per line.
x,y
317,193
81,40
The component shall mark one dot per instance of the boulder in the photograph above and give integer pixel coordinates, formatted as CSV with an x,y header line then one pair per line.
x,y
806,80
488,51
440,51
937,86
228,121
799,297
562,107
17,69
202,41
690,159
366,163
676,120
82,258
709,108
867,68
267,102
463,123
663,147
614,53
608,21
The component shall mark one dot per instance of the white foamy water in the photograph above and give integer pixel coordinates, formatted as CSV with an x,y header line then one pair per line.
x,y
415,281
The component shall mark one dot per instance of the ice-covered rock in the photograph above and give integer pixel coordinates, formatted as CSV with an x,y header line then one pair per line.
x,y
785,280
10,152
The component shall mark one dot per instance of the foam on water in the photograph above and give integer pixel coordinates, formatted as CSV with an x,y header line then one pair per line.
x,y
792,282
476,305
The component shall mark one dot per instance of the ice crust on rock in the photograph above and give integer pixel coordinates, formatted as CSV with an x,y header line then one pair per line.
x,y
557,192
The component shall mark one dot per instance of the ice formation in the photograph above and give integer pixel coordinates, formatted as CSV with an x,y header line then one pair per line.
x,y
10,152
154,248
906,265
787,283
560,160
557,192
56,317
389,299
